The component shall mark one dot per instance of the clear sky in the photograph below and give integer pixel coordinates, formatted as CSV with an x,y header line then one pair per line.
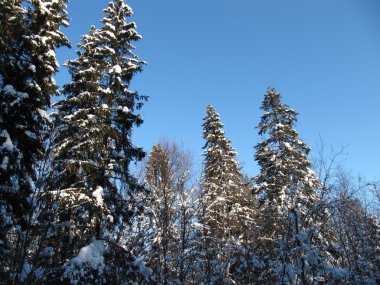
x,y
323,56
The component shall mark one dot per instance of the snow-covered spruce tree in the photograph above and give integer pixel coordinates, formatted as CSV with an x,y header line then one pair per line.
x,y
29,35
294,240
227,215
92,151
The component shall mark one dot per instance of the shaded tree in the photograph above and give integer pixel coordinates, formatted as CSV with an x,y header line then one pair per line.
x,y
29,35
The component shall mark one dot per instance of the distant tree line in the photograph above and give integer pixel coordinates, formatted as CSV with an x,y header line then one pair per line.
x,y
73,212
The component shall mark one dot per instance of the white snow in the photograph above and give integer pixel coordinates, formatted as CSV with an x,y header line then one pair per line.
x,y
45,7
92,254
50,53
110,50
68,117
279,125
98,194
287,145
44,115
51,68
197,225
4,164
9,89
110,218
30,134
35,85
44,39
110,34
107,90
110,26
8,145
127,8
88,70
124,109
54,34
91,118
32,67
145,271
117,69
131,65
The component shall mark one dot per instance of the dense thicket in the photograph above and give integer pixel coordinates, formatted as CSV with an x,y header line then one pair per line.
x,y
72,212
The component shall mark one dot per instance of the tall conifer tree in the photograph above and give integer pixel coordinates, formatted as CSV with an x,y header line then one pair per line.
x,y
92,152
29,35
227,215
292,217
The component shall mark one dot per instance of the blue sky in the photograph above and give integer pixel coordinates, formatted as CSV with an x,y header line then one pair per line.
x,y
322,56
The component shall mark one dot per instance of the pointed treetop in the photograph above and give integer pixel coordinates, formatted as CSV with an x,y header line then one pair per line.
x,y
282,156
277,114
213,131
220,156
